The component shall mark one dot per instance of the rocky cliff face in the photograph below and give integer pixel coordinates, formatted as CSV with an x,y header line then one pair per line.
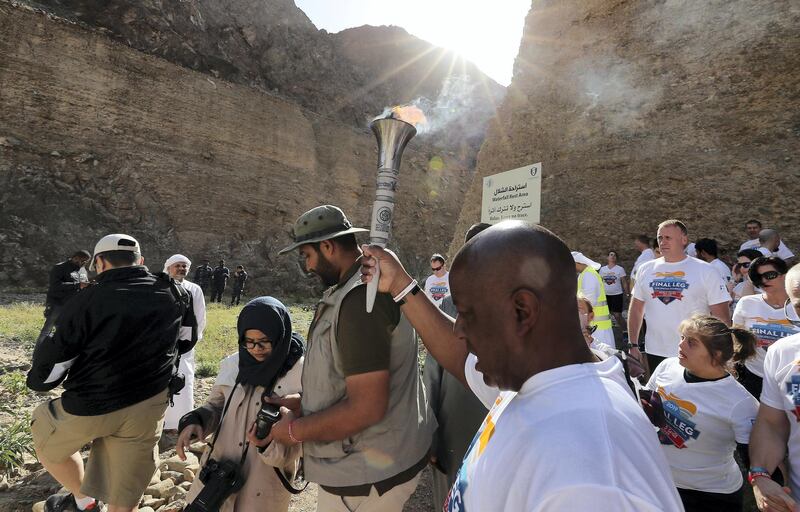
x,y
96,137
642,111
273,46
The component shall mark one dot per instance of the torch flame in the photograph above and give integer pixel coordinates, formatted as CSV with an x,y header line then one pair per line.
x,y
411,114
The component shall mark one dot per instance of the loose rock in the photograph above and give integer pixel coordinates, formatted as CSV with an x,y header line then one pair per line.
x,y
159,490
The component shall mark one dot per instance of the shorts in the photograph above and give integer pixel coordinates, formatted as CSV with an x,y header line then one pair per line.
x,y
614,303
124,454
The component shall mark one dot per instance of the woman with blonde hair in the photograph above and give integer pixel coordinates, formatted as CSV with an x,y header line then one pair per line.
x,y
706,414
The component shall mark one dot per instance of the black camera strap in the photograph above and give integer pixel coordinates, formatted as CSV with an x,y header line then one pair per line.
x,y
284,481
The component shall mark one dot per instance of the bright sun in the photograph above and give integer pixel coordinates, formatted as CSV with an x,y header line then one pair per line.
x,y
486,33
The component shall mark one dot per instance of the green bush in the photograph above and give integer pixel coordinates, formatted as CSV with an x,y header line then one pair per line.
x,y
13,387
15,441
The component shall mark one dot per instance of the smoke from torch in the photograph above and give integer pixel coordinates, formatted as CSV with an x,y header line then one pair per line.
x,y
393,129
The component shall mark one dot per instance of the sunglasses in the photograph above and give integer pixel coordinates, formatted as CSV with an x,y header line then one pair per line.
x,y
746,264
253,344
436,269
766,276
791,313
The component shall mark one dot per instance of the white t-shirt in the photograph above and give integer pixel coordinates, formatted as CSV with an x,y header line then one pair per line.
x,y
766,323
612,277
437,288
781,391
644,257
556,446
672,292
691,250
783,251
704,420
723,270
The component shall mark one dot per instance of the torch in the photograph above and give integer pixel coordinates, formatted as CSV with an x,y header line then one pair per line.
x,y
393,131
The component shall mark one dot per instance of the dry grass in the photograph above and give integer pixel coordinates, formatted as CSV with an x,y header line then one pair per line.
x,y
20,323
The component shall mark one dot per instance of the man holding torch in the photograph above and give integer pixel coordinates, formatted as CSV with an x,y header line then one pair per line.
x,y
363,419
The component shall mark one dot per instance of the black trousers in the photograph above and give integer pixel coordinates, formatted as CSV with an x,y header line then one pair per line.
x,y
700,501
216,293
235,296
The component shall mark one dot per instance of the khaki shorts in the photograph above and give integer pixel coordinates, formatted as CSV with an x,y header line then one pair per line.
x,y
124,453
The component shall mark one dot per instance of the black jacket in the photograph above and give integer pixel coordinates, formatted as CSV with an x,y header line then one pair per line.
x,y
63,283
220,276
202,275
239,278
122,336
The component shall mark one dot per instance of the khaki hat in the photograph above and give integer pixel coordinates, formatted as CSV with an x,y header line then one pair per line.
x,y
580,258
318,224
116,242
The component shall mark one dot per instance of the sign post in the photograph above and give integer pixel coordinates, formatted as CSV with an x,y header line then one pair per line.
x,y
515,194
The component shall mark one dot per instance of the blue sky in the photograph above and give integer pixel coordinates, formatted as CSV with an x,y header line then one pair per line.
x,y
487,33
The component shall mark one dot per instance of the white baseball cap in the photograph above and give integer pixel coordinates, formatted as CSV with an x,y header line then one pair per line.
x,y
116,242
580,258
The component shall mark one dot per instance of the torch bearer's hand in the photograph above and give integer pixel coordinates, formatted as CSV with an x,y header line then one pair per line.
x,y
393,279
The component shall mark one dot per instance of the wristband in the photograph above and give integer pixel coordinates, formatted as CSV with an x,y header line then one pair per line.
x,y
406,290
291,436
757,472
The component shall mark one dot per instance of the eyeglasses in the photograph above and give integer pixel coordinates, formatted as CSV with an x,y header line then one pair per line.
x,y
262,344
791,313
766,276
436,269
745,264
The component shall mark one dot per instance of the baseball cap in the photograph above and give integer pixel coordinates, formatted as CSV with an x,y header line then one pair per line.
x,y
580,258
318,224
115,242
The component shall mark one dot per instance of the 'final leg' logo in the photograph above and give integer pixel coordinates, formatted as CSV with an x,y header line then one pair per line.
x,y
669,286
793,391
679,427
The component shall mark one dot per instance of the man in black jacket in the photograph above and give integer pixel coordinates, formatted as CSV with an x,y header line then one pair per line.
x,y
239,278
202,276
114,348
219,278
64,283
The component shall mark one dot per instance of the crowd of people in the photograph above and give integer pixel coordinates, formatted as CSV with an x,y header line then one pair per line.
x,y
551,382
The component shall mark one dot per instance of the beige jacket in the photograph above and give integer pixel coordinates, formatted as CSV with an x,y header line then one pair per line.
x,y
262,490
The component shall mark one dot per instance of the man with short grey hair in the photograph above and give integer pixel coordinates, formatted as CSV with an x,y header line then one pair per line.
x,y
772,245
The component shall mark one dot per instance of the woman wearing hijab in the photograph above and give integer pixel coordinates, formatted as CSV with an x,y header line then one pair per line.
x,y
269,363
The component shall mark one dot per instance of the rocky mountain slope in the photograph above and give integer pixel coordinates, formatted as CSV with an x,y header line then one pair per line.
x,y
642,111
234,118
272,45
96,137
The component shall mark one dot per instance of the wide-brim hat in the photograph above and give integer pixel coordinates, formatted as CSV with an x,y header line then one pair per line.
x,y
318,224
115,242
580,258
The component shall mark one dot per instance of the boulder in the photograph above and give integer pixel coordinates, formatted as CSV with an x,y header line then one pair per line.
x,y
160,489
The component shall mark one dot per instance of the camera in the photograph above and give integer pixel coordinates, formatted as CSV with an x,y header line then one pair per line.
x,y
266,417
220,480
176,383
